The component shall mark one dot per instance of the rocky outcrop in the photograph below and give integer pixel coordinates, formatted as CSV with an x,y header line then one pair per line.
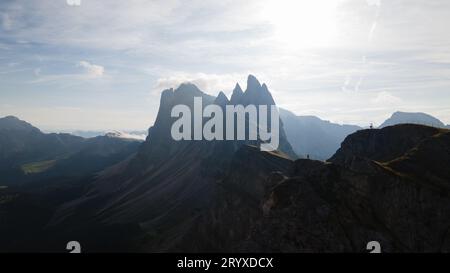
x,y
381,145
401,200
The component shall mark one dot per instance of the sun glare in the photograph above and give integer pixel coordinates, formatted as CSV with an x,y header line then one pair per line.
x,y
302,23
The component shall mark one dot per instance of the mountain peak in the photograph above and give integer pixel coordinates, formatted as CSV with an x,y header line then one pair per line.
x,y
252,83
267,95
221,99
166,97
256,93
11,118
237,94
14,123
188,89
399,117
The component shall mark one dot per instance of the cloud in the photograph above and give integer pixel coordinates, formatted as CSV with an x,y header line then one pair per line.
x,y
209,83
93,70
73,2
384,98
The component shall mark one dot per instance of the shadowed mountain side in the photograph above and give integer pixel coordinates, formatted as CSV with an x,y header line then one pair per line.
x,y
169,205
20,143
28,155
234,203
403,203
97,154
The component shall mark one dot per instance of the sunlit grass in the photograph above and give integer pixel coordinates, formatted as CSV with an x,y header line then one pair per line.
x,y
37,167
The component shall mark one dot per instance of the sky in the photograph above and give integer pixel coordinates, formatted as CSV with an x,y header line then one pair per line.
x,y
101,65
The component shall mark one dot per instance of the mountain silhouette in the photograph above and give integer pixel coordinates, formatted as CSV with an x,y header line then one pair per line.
x,y
413,118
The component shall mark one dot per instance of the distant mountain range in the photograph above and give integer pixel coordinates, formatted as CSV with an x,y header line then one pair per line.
x,y
390,185
27,154
138,135
313,137
319,139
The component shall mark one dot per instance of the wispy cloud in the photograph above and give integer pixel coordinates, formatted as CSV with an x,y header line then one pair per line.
x,y
384,98
210,83
92,70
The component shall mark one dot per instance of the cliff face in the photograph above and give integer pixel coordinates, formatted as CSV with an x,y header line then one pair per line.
x,y
382,145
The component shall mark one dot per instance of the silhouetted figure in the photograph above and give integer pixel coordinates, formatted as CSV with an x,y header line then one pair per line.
x,y
371,126
307,156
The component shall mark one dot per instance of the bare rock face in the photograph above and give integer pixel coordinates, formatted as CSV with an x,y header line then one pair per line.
x,y
237,94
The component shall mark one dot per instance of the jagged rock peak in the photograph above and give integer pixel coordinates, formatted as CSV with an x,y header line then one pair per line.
x,y
167,92
166,96
252,83
221,99
237,93
188,88
267,95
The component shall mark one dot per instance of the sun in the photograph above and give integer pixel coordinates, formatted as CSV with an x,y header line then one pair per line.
x,y
302,23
